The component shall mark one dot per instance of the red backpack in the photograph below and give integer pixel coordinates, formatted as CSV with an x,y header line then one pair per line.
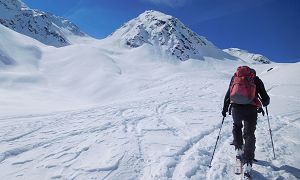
x,y
243,88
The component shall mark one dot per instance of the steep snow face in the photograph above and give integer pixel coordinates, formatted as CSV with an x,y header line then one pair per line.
x,y
247,56
46,28
168,34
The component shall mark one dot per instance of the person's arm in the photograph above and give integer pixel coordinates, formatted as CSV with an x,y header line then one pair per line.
x,y
265,99
226,102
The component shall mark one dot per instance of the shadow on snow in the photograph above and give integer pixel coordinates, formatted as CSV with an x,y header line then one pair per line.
x,y
292,170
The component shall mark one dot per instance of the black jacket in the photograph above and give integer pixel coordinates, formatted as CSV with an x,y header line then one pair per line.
x,y
260,90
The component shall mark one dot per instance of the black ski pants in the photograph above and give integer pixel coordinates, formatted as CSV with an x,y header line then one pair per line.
x,y
247,115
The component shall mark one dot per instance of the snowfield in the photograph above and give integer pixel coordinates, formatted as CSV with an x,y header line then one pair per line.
x,y
97,110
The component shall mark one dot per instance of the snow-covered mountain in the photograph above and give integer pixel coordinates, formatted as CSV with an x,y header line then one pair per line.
x,y
101,111
46,28
247,56
167,34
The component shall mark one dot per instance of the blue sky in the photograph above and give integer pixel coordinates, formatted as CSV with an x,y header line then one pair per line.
x,y
268,27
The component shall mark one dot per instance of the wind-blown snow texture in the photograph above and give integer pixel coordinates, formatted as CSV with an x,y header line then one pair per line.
x,y
47,28
101,111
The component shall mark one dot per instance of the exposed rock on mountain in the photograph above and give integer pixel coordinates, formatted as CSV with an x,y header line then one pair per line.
x,y
46,28
167,33
247,56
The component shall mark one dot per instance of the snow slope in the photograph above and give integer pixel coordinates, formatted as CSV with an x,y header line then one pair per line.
x,y
247,57
100,110
166,130
46,28
24,88
19,58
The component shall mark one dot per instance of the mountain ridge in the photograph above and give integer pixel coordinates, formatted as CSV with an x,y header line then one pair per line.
x,y
164,32
45,27
247,56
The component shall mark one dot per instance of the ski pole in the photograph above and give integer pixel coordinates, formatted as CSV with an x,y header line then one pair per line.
x,y
270,131
216,142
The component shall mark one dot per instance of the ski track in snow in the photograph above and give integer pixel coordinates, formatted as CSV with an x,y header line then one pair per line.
x,y
170,135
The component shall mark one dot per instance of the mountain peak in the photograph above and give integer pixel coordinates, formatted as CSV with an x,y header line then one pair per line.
x,y
166,33
151,15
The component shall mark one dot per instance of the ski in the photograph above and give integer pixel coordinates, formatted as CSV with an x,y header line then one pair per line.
x,y
247,176
238,167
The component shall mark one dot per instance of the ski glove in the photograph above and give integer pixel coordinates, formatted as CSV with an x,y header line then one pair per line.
x,y
261,110
224,113
265,102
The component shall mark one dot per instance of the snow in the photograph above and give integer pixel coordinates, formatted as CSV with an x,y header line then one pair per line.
x,y
28,51
45,27
169,35
99,110
247,56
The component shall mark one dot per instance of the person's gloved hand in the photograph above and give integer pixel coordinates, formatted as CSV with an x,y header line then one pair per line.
x,y
224,113
261,110
265,102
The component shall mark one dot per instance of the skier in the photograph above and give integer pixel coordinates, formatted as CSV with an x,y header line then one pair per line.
x,y
244,99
